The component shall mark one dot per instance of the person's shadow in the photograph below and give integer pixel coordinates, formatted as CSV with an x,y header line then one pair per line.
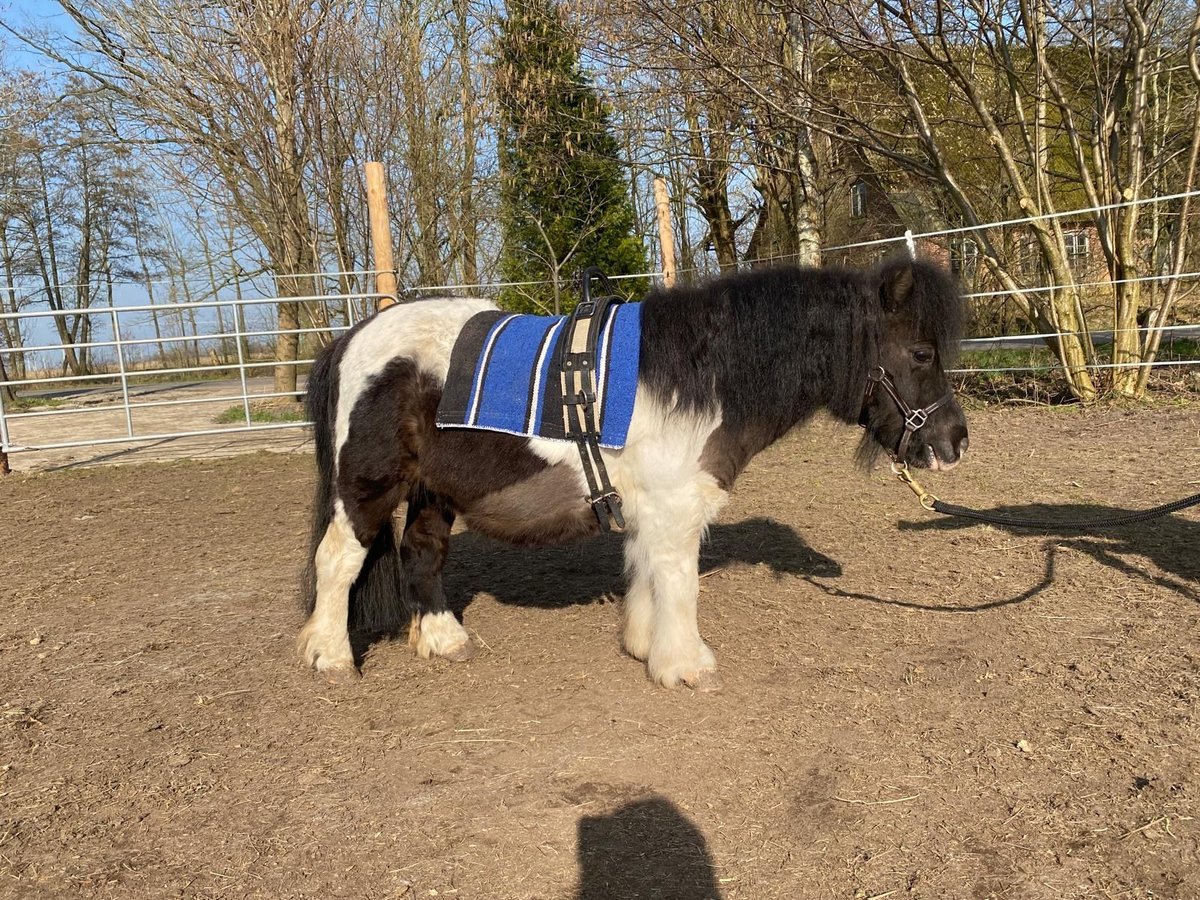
x,y
592,570
645,849
1171,543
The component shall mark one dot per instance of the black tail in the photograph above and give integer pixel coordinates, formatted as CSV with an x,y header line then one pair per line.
x,y
321,403
379,600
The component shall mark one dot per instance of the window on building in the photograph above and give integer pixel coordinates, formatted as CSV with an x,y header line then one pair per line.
x,y
1077,246
858,200
964,253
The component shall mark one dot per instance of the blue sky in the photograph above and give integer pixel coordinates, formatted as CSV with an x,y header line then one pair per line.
x,y
44,12
47,15
38,14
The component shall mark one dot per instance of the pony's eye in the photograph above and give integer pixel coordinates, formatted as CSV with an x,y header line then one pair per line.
x,y
923,355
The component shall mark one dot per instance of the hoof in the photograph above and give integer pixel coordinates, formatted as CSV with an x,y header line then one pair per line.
x,y
440,635
695,666
340,674
706,682
324,652
462,653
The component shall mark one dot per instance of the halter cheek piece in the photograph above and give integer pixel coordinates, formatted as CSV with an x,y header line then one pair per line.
x,y
914,419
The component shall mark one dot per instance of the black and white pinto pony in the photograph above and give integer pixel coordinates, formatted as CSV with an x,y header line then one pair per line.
x,y
726,369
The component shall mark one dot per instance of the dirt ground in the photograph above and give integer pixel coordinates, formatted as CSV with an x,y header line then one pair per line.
x,y
912,709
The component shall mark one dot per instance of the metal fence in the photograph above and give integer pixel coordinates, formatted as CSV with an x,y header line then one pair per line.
x,y
145,376
221,380
134,395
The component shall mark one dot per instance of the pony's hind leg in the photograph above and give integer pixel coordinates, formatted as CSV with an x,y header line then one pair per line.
x,y
324,641
423,549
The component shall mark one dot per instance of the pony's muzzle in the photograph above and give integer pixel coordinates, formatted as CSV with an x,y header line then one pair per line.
x,y
944,456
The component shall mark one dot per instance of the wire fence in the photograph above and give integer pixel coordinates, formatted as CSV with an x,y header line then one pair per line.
x,y
110,382
224,380
134,373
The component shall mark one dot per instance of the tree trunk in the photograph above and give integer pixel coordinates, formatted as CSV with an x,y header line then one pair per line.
x,y
804,199
46,254
190,350
712,192
215,289
239,317
468,217
6,392
10,329
139,246
292,249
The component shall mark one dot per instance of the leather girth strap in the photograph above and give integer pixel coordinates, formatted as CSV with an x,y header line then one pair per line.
x,y
576,365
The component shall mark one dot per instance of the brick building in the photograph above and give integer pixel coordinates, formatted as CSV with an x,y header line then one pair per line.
x,y
860,209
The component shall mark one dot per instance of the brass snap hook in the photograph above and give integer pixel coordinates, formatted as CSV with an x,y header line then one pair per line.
x,y
926,499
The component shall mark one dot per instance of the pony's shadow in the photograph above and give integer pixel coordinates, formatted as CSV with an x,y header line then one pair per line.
x,y
646,848
1171,543
592,571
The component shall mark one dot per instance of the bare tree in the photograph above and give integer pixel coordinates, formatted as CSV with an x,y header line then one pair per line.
x,y
1177,237
13,196
228,82
71,190
1024,107
402,84
987,111
714,65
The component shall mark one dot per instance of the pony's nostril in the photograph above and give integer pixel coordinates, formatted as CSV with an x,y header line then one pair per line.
x,y
963,445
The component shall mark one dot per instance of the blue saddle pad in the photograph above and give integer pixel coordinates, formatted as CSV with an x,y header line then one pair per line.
x,y
501,376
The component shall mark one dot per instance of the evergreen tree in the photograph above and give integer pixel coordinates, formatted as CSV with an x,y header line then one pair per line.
x,y
565,201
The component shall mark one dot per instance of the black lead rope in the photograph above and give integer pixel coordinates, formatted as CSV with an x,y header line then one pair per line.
x,y
933,504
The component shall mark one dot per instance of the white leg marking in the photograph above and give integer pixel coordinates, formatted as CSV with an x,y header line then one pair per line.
x,y
639,606
677,655
324,642
668,501
439,634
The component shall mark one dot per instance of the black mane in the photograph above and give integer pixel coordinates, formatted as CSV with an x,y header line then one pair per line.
x,y
770,347
765,341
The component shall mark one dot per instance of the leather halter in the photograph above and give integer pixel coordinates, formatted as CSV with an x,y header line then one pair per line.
x,y
914,419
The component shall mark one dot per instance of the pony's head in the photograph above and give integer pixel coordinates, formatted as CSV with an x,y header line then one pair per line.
x,y
908,408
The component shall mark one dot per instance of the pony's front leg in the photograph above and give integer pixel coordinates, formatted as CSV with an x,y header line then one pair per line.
x,y
324,641
677,654
664,548
638,608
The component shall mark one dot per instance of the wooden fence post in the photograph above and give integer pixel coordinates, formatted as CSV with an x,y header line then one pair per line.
x,y
381,235
666,235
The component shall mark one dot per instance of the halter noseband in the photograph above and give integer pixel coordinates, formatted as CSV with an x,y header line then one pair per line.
x,y
914,419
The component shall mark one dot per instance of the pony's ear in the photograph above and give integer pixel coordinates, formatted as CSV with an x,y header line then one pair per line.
x,y
896,288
